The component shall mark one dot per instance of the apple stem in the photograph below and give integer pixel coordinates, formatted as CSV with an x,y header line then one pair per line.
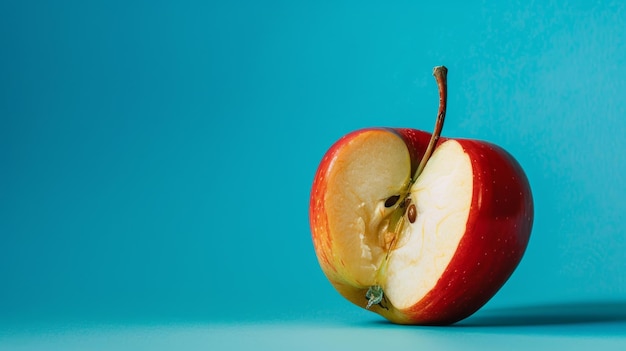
x,y
441,74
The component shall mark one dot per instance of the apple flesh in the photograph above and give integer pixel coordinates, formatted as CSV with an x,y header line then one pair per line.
x,y
430,250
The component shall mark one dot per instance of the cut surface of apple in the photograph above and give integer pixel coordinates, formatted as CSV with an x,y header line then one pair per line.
x,y
390,230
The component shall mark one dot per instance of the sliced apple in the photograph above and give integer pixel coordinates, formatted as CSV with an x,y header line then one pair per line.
x,y
419,229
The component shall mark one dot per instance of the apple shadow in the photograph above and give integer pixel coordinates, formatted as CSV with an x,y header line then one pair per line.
x,y
583,313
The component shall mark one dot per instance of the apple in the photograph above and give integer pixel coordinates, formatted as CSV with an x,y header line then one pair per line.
x,y
417,228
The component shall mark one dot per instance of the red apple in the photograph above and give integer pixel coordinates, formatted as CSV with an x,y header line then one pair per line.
x,y
420,229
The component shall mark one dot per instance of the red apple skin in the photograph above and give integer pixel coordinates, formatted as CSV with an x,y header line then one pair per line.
x,y
497,233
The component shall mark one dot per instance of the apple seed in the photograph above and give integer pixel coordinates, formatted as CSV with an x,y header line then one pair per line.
x,y
392,200
412,213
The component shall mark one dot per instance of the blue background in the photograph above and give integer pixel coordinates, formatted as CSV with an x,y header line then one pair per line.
x,y
157,157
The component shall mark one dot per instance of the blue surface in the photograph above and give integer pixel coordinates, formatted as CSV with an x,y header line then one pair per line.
x,y
156,162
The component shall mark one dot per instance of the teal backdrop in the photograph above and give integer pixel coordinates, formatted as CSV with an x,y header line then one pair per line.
x,y
156,160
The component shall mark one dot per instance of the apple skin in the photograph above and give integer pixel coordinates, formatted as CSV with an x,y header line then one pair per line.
x,y
497,233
